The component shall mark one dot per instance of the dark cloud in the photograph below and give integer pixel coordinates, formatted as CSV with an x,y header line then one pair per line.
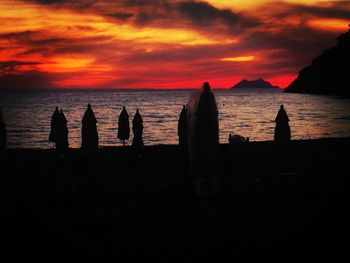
x,y
17,35
296,47
200,16
121,16
77,5
40,50
143,18
201,13
85,46
10,66
145,3
340,10
50,2
293,39
42,42
34,38
68,3
162,13
159,13
26,80
211,20
13,63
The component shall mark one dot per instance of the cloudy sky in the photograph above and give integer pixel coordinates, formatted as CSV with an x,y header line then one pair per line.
x,y
162,43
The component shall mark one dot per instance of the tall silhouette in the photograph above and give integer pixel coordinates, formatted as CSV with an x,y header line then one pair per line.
x,y
62,140
137,129
2,133
203,140
182,128
55,126
282,129
89,132
59,130
123,126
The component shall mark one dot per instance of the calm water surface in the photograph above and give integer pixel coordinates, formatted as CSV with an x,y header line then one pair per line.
x,y
251,114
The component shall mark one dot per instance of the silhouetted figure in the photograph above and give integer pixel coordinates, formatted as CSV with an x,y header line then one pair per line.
x,y
123,126
282,129
182,128
2,133
62,136
89,131
55,126
137,129
203,140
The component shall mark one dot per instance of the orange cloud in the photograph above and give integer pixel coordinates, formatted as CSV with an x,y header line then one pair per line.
x,y
239,59
338,25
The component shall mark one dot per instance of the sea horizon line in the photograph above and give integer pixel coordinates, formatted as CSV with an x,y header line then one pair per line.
x,y
110,89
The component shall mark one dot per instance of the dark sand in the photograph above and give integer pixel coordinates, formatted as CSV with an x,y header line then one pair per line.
x,y
273,204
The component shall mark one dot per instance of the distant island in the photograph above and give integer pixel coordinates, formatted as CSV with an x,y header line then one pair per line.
x,y
256,85
328,74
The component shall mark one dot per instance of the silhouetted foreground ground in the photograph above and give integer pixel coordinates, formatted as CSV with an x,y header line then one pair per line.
x,y
273,204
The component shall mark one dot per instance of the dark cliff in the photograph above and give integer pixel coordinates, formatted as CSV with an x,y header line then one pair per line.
x,y
328,74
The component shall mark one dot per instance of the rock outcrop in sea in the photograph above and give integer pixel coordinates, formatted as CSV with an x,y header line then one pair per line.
x,y
259,84
328,74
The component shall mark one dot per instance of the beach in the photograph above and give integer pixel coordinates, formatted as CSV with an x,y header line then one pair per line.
x,y
273,202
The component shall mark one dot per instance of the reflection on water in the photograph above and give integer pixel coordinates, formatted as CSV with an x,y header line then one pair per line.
x,y
28,115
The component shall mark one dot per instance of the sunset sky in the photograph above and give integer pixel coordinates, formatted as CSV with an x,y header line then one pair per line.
x,y
162,43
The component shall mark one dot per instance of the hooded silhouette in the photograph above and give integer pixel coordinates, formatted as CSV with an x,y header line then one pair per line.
x,y
55,126
203,140
282,129
182,128
62,138
123,126
137,129
89,131
2,133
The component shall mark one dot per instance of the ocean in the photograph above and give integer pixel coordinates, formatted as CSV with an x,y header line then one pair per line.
x,y
28,114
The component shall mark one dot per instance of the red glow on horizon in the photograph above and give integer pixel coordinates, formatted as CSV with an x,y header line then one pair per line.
x,y
282,81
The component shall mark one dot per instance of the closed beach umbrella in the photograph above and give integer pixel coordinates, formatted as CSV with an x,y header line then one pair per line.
x,y
123,126
182,128
2,133
203,140
282,128
63,140
55,126
89,132
137,129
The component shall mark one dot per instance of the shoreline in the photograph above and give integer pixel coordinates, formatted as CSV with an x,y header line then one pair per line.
x,y
297,141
